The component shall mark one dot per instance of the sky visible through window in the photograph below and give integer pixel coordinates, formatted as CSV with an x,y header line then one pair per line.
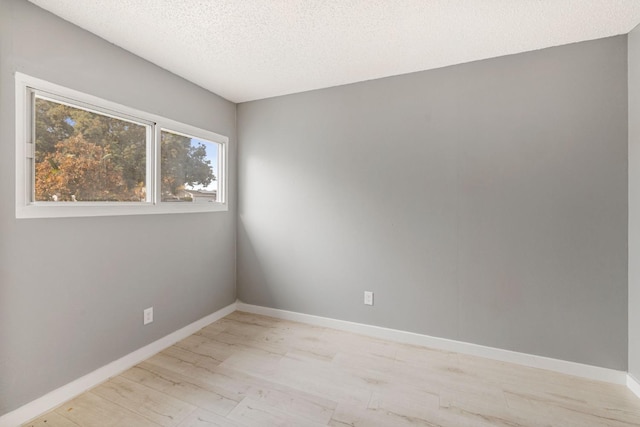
x,y
212,156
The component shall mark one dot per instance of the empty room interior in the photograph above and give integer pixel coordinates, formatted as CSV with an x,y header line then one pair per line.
x,y
306,212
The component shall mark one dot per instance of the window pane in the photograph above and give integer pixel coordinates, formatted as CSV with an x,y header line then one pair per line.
x,y
189,169
87,157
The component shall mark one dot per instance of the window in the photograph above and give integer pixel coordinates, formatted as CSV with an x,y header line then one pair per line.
x,y
189,168
81,155
78,155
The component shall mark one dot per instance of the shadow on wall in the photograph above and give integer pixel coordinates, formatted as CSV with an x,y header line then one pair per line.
x,y
253,275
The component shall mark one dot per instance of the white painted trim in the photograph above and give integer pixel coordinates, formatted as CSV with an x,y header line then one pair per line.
x,y
556,365
633,385
67,392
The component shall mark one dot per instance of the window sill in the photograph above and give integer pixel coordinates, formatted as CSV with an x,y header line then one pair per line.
x,y
69,210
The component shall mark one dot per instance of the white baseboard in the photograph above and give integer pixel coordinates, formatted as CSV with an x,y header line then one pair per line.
x,y
67,392
633,385
57,397
556,365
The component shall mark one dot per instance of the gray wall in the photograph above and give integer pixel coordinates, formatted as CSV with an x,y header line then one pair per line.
x,y
72,290
485,202
634,203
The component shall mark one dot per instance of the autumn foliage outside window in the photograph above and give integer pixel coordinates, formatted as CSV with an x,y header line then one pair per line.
x,y
84,156
188,168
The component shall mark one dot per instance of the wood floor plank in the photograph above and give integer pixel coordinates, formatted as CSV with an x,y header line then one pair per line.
x,y
257,362
323,379
52,419
254,413
297,403
357,416
250,370
190,390
89,409
203,347
159,407
408,400
202,418
240,343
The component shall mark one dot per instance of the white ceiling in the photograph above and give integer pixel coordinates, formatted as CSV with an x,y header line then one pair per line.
x,y
251,49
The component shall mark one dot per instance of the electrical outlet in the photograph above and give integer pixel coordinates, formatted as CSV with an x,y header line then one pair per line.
x,y
368,298
148,315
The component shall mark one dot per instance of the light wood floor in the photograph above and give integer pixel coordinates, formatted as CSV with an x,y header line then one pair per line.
x,y
249,370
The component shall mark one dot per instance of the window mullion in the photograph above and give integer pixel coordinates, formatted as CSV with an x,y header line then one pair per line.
x,y
157,183
30,162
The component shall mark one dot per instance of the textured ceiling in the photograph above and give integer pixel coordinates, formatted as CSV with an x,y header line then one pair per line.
x,y
252,49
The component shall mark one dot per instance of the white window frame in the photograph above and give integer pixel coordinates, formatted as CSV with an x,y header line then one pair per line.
x,y
27,207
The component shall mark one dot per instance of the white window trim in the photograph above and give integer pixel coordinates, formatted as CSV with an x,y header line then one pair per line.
x,y
26,208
